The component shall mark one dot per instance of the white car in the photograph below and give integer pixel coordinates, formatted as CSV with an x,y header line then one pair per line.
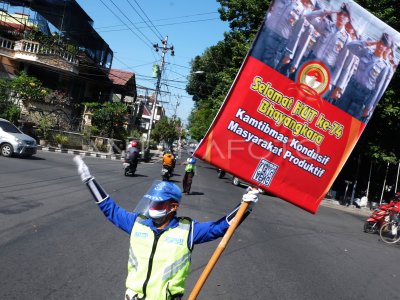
x,y
14,141
236,181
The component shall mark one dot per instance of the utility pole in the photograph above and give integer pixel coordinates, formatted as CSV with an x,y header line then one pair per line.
x,y
397,177
178,102
164,49
384,183
355,180
369,178
345,192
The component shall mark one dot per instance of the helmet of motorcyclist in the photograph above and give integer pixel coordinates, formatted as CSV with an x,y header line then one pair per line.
x,y
155,204
134,144
192,160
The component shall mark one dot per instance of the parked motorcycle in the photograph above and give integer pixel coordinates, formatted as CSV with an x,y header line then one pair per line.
x,y
390,231
129,168
376,220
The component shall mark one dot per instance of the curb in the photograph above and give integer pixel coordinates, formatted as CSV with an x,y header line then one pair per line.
x,y
88,153
353,210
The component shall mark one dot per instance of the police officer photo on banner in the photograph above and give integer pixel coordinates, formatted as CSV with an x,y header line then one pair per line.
x,y
359,52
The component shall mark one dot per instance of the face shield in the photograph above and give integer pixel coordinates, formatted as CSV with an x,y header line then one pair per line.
x,y
156,199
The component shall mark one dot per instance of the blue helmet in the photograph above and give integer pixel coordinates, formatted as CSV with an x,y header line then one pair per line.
x,y
159,191
163,191
192,161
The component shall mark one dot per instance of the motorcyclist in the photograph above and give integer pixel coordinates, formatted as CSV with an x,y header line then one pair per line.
x,y
160,242
172,151
132,155
168,161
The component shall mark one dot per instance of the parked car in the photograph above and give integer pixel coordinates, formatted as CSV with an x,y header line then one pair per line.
x,y
14,142
235,180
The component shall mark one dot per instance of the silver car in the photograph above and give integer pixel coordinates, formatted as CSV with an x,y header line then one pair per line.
x,y
14,141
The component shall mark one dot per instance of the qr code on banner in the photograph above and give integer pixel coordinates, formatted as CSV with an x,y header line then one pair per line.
x,y
265,172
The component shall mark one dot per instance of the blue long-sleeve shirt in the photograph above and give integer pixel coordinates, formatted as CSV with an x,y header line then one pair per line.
x,y
201,231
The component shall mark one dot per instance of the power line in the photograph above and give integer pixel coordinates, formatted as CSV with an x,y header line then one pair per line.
x,y
164,19
147,44
131,22
160,36
168,24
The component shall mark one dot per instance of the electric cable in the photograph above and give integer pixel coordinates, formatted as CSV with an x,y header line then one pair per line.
x,y
158,34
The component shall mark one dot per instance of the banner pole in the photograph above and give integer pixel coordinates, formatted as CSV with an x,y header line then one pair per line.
x,y
217,253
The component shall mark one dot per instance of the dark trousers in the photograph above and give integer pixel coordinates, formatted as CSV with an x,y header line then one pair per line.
x,y
187,181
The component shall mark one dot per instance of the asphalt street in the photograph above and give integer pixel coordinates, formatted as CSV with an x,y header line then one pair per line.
x,y
56,244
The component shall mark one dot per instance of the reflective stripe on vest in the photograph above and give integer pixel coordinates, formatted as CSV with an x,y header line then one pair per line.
x,y
190,168
158,266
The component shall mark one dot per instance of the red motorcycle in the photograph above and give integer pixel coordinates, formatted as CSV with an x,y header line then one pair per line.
x,y
376,220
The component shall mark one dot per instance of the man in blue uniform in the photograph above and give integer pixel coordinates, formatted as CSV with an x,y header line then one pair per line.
x,y
331,39
361,94
160,242
333,35
345,58
284,20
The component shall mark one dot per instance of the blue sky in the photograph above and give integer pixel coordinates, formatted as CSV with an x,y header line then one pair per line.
x,y
191,27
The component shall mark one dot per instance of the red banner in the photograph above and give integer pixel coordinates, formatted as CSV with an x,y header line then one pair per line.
x,y
287,124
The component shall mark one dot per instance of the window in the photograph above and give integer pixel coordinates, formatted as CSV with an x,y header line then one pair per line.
x,y
8,127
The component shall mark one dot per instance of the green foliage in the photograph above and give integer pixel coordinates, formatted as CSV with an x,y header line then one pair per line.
x,y
220,63
201,118
5,85
28,88
136,134
61,139
243,15
8,110
167,130
45,124
12,113
109,119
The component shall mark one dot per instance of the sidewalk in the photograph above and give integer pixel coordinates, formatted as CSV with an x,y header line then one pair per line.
x,y
364,211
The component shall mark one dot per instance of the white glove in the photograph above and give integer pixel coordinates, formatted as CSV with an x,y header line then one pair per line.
x,y
251,195
83,169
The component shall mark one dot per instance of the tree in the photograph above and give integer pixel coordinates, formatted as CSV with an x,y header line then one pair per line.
x,y
8,110
220,63
108,119
28,88
244,16
166,130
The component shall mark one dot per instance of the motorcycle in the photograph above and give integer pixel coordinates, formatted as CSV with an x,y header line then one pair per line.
x,y
390,231
129,168
165,173
376,220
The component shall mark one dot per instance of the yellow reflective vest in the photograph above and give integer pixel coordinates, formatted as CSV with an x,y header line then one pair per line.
x,y
190,168
158,265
